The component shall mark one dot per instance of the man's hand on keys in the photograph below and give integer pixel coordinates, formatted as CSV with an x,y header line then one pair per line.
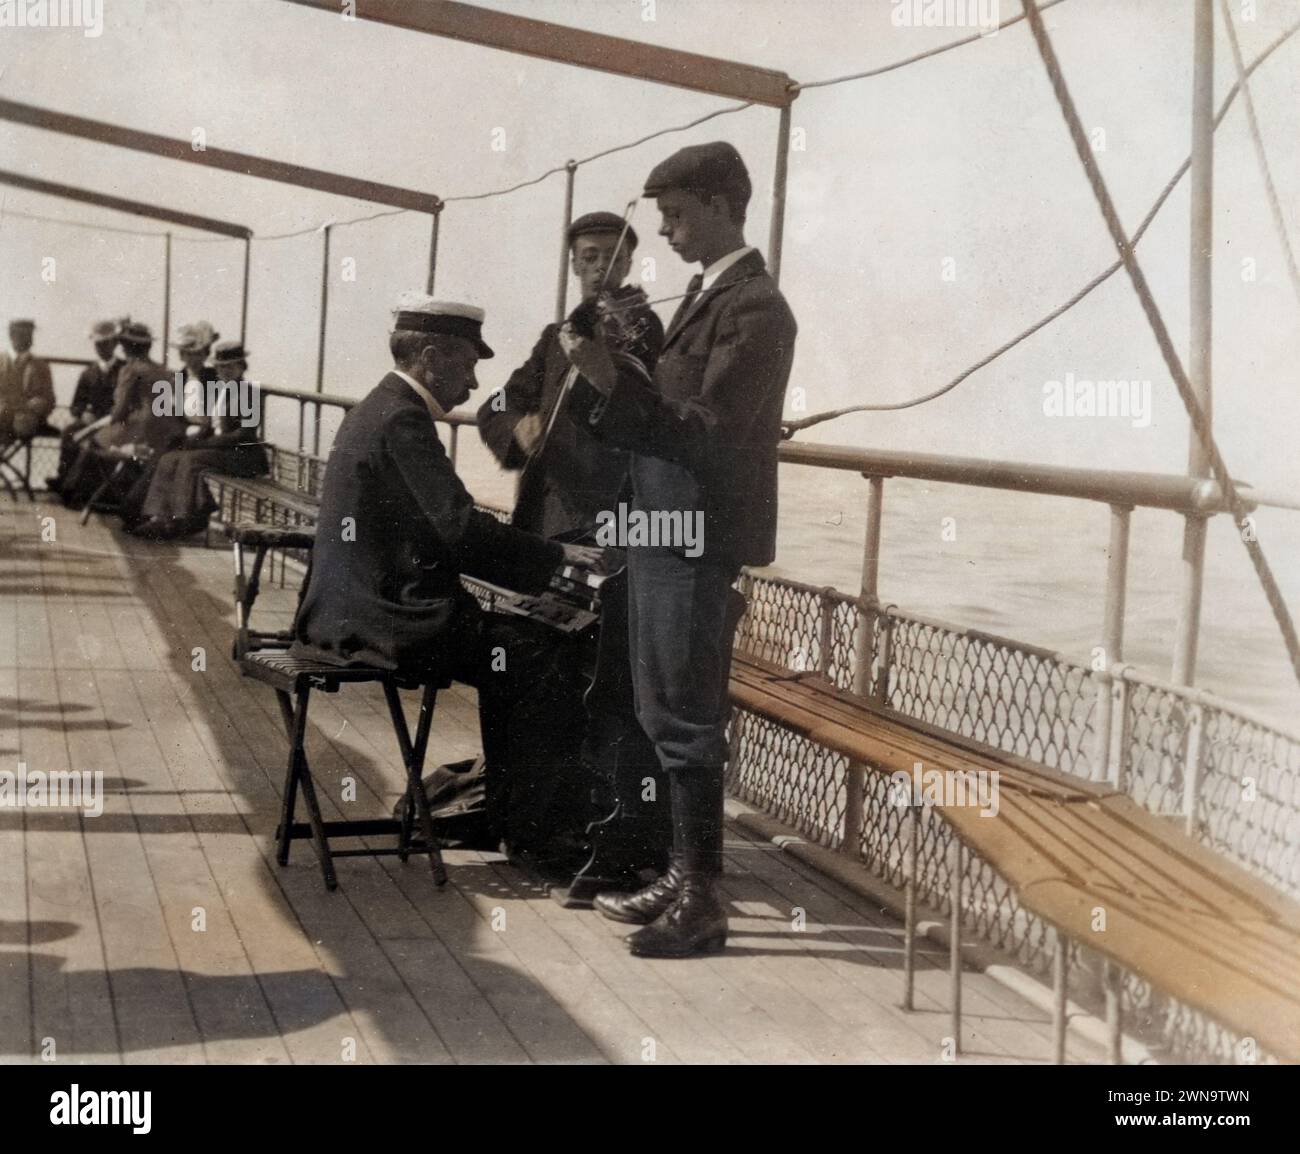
x,y
586,556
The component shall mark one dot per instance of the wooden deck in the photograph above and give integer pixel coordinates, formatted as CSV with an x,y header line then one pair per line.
x,y
162,930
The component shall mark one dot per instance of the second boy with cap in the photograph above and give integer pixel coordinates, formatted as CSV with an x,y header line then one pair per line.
x,y
578,476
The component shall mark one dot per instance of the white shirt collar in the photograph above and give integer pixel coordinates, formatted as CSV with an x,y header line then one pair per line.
x,y
436,411
104,366
718,267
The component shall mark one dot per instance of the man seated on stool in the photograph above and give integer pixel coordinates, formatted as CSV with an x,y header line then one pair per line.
x,y
397,528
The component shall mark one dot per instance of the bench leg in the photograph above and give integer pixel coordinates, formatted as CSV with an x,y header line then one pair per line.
x,y
1114,1013
413,758
913,836
954,945
247,586
1060,979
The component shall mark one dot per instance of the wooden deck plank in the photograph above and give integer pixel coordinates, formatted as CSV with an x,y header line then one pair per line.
x,y
323,1023
288,972
676,1029
15,926
343,755
871,987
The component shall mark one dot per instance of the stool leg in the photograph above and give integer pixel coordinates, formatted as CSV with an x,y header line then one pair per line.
x,y
413,758
427,702
288,802
300,773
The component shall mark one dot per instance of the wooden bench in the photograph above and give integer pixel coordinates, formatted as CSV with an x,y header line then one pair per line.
x,y
1201,929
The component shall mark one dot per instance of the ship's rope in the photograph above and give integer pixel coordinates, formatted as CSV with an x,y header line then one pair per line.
x,y
1196,414
926,55
1275,205
791,426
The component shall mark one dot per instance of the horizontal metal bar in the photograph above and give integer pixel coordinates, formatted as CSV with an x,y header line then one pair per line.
x,y
565,45
338,401
122,137
121,204
1116,487
1148,490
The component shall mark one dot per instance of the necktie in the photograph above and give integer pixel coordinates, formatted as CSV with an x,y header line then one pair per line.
x,y
692,291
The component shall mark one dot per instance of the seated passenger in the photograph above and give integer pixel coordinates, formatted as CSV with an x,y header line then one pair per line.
x,y
91,402
396,530
134,433
26,387
177,502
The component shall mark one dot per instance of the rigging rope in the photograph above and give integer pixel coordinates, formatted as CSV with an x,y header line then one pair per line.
x,y
926,55
725,111
791,426
1196,414
1279,222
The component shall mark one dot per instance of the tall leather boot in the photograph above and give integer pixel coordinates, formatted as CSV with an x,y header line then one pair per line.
x,y
696,922
644,906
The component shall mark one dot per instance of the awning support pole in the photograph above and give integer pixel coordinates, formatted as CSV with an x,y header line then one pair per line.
x,y
320,348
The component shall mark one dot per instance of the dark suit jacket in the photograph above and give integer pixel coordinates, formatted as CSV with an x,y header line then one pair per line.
x,y
704,438
94,392
577,476
396,530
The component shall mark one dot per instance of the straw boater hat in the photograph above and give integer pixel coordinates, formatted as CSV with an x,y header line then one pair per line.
x,y
419,313
136,332
230,353
103,331
199,335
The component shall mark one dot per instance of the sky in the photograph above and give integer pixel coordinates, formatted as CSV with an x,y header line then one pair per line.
x,y
960,163
933,212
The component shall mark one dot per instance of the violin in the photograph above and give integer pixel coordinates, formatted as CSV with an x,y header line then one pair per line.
x,y
621,319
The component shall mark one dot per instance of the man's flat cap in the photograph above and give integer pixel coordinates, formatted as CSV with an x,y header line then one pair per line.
x,y
601,222
713,169
22,323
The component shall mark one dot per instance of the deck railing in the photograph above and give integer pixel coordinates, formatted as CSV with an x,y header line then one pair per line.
x,y
1228,776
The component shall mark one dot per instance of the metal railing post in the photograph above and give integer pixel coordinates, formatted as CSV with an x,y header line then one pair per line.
x,y
320,347
1121,732
562,283
1200,342
826,634
167,296
856,773
243,297
1193,766
1112,636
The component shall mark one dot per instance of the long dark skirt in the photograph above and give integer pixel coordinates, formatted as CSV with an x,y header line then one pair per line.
x,y
177,489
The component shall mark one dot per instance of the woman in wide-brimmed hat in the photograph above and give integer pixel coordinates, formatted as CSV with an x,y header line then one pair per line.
x,y
178,503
